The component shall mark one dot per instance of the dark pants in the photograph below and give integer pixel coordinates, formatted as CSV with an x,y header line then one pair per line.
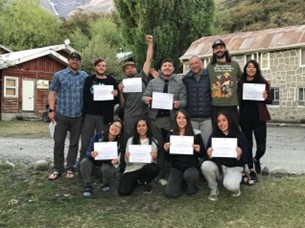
x,y
129,180
230,109
91,125
259,129
175,181
63,126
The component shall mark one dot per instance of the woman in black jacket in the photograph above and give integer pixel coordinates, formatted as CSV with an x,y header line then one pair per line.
x,y
184,167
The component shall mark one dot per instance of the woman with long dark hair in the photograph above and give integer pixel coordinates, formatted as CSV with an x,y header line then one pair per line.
x,y
227,168
184,167
112,134
139,173
253,116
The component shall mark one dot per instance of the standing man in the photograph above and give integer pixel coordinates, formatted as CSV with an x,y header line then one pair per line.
x,y
131,102
97,114
66,89
167,82
224,74
199,100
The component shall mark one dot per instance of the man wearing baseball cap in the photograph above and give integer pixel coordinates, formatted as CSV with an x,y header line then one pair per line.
x,y
66,89
224,74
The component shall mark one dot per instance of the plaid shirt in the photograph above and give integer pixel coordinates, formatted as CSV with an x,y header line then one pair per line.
x,y
69,88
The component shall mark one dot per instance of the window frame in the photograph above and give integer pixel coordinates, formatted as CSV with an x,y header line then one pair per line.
x,y
273,94
301,102
261,61
11,87
301,60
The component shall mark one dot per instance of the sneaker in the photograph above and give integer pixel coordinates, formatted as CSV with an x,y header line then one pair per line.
x,y
88,191
106,187
163,182
257,166
191,189
213,196
236,193
253,176
147,189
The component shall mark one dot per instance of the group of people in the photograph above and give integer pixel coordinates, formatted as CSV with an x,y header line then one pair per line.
x,y
207,103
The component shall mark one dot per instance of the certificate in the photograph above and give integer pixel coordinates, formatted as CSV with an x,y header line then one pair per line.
x,y
102,92
132,85
140,153
224,147
106,150
253,91
162,101
52,126
181,144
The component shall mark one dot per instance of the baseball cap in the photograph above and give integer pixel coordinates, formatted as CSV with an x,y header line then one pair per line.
x,y
128,63
75,55
218,42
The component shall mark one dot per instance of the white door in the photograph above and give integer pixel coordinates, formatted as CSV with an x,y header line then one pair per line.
x,y
28,95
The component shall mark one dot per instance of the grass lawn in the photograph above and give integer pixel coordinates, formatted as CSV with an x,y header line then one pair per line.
x,y
273,202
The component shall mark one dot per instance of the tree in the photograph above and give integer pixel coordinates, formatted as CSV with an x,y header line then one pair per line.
x,y
25,25
175,24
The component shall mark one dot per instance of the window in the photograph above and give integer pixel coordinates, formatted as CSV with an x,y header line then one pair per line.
x,y
275,93
265,61
254,56
186,67
11,87
301,96
302,57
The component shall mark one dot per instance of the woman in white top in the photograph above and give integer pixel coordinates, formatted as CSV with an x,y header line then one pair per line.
x,y
139,173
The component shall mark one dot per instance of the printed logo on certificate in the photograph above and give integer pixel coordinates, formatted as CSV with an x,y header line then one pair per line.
x,y
253,91
181,145
106,150
132,85
139,153
102,92
162,101
224,147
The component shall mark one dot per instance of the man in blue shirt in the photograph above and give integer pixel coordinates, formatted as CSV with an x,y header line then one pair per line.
x,y
66,89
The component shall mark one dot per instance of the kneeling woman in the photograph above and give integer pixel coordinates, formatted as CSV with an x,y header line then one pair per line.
x,y
112,134
184,167
142,173
226,168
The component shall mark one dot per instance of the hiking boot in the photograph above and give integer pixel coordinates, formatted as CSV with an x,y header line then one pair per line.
x,y
253,176
147,188
163,182
257,166
88,191
191,189
105,187
213,196
236,193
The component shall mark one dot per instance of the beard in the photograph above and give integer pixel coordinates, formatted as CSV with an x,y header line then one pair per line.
x,y
220,55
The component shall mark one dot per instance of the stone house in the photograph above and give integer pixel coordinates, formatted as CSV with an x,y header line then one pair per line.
x,y
281,55
25,77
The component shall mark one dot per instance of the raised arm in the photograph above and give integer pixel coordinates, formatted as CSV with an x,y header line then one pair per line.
x,y
149,54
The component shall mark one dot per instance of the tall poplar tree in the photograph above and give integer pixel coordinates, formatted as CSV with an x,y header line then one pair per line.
x,y
175,24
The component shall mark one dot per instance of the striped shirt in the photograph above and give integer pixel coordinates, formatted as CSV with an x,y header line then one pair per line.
x,y
69,88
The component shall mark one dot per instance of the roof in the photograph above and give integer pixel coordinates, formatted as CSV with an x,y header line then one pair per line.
x,y
5,48
249,42
15,58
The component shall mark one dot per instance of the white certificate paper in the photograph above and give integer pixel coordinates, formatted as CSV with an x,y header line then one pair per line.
x,y
162,101
140,153
106,150
52,126
132,85
181,144
224,147
253,91
102,92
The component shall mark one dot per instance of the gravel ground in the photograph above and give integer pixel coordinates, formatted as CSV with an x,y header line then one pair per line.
x,y
285,149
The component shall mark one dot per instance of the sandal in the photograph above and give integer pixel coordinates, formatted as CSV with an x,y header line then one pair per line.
x,y
54,176
69,174
247,180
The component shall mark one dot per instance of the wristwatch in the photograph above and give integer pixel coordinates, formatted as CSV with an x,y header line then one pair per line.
x,y
51,110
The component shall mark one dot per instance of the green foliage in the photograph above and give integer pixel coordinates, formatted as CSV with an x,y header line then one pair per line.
x,y
25,25
249,15
174,25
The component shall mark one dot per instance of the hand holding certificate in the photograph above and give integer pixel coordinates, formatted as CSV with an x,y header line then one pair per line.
x,y
106,150
162,101
132,85
224,147
253,91
102,92
140,153
181,144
